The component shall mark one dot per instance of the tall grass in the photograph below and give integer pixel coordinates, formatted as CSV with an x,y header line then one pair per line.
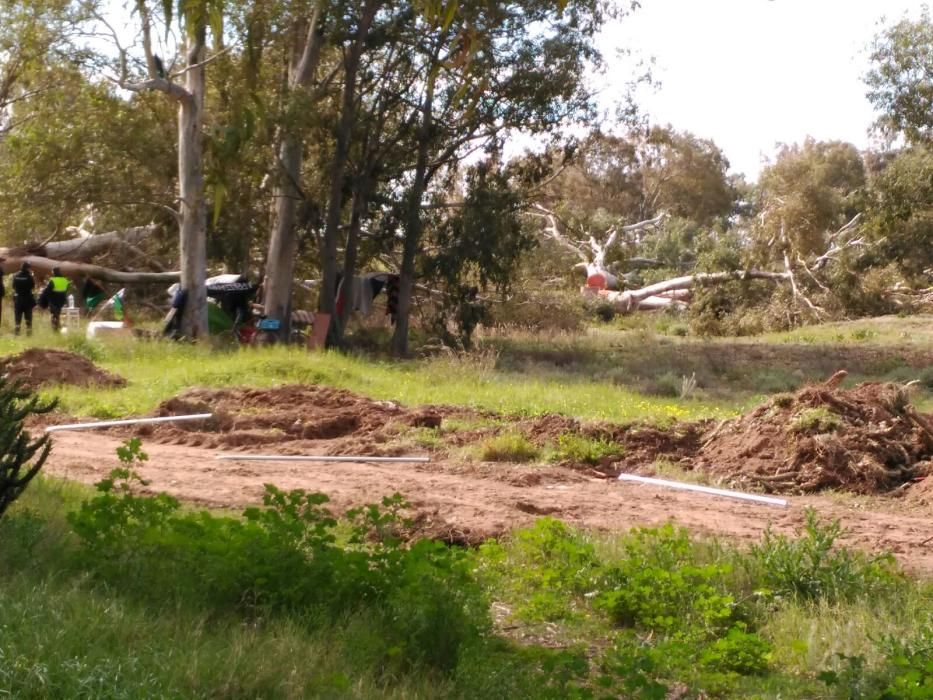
x,y
158,371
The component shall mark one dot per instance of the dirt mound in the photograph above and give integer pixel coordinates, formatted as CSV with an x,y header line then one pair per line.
x,y
292,418
868,439
37,366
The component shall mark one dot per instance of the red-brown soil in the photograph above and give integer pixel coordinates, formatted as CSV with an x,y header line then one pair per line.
x,y
866,440
37,366
876,444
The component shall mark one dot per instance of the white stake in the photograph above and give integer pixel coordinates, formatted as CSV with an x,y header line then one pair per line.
x,y
318,458
703,489
132,421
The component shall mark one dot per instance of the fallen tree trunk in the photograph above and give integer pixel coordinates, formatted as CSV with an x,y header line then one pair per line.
x,y
76,270
631,299
84,248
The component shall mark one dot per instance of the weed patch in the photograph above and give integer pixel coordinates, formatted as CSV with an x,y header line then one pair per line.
x,y
582,449
813,567
508,447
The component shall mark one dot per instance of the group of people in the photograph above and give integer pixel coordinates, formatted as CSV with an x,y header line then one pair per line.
x,y
53,297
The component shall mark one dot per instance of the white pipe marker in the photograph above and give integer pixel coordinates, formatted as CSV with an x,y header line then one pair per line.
x,y
132,421
318,458
703,489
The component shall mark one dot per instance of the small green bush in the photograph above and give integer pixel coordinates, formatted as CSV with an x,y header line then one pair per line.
x,y
547,568
659,585
508,447
812,567
285,559
586,450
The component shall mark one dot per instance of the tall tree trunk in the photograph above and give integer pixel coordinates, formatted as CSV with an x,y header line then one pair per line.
x,y
328,298
360,202
413,227
193,229
280,261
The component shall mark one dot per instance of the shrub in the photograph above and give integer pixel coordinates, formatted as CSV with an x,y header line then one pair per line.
x,y
658,585
547,568
285,559
21,458
586,450
508,447
811,567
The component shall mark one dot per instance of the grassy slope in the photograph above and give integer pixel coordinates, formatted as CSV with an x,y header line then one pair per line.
x,y
605,374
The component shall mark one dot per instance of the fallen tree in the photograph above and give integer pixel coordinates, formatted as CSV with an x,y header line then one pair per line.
x,y
72,256
675,292
85,247
75,270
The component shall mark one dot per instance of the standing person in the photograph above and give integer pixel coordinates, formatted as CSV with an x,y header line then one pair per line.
x,y
56,294
24,300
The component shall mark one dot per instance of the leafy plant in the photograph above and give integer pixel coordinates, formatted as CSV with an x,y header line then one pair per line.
x,y
586,450
21,457
812,567
285,558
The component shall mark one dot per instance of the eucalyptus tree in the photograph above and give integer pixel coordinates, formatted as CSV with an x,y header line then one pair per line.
x,y
487,69
183,81
900,81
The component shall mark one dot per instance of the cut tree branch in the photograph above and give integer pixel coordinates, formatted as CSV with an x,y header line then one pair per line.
x,y
75,270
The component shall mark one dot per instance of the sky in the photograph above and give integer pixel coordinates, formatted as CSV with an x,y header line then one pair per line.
x,y
753,73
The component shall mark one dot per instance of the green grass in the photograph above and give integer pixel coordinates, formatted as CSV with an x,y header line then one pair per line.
x,y
158,371
630,612
603,374
507,447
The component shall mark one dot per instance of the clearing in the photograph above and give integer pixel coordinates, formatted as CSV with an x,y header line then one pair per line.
x,y
867,441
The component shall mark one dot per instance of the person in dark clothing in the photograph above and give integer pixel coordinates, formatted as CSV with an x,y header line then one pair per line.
x,y
56,292
24,300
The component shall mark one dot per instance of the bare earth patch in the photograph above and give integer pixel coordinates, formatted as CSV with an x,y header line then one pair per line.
x,y
37,366
460,501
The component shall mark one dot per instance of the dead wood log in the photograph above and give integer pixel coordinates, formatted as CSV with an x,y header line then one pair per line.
x,y
75,270
630,299
85,247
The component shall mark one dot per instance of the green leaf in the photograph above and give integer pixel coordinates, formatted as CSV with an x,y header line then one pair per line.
x,y
452,6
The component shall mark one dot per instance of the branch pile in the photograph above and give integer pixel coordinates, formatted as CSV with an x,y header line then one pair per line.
x,y
866,440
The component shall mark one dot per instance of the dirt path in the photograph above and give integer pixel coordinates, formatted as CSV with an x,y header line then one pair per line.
x,y
465,502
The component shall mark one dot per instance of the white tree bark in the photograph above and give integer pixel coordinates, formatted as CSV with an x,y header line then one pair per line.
x,y
631,299
87,247
76,270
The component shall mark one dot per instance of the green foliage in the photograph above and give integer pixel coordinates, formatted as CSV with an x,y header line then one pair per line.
x,y
898,82
21,457
900,213
910,664
284,559
814,420
813,567
658,585
547,568
508,447
583,449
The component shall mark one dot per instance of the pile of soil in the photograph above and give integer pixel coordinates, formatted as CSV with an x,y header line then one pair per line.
x,y
865,440
290,418
37,366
